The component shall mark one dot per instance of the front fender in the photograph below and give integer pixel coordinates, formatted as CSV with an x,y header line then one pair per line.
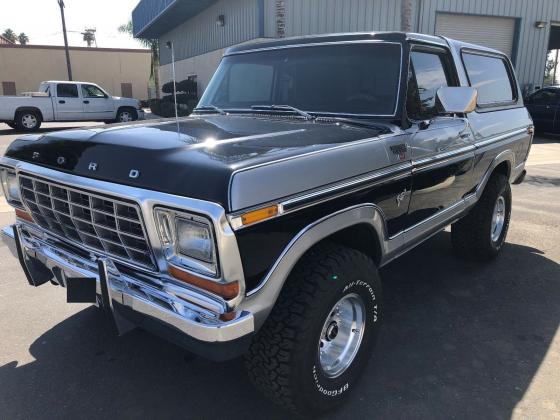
x,y
261,300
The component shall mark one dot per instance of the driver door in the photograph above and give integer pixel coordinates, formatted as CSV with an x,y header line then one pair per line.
x,y
441,146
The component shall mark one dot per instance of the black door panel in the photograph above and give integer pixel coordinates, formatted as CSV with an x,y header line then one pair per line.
x,y
442,162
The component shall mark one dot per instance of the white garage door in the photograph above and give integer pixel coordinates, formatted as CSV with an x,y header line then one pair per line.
x,y
492,32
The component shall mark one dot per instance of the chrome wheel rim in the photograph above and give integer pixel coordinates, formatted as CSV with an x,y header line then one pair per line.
x,y
498,219
29,121
342,335
125,116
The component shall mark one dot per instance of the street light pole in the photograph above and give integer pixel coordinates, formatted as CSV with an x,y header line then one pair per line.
x,y
68,65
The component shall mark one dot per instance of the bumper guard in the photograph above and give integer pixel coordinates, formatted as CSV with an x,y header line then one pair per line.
x,y
130,302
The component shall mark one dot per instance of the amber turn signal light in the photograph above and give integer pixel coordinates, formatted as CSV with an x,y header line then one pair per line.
x,y
24,216
227,291
259,214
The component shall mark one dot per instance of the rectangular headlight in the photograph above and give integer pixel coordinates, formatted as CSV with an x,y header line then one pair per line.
x,y
10,186
194,240
187,241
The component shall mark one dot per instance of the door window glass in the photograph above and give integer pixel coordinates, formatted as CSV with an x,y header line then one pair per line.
x,y
90,91
544,97
426,75
67,90
490,76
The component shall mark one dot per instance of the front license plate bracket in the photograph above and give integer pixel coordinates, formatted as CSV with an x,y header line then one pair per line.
x,y
81,289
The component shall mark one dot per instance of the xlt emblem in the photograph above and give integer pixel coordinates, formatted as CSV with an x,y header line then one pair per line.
x,y
134,173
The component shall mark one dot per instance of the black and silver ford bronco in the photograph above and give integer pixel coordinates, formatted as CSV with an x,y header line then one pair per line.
x,y
258,224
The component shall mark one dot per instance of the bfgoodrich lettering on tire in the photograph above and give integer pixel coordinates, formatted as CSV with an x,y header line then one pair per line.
x,y
312,349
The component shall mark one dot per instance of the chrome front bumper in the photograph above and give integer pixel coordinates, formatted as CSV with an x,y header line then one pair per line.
x,y
128,298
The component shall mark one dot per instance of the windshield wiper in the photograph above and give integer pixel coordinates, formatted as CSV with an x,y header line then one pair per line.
x,y
352,121
210,108
284,108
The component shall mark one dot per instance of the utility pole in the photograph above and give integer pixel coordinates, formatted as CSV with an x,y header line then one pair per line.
x,y
68,65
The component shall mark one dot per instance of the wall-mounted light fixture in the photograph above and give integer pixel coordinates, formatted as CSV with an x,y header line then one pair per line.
x,y
539,24
221,20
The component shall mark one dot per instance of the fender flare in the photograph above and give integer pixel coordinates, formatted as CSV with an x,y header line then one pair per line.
x,y
262,299
504,156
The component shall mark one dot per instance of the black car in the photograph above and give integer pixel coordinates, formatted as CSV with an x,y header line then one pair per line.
x,y
543,106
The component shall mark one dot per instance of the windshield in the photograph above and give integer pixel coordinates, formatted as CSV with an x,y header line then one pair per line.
x,y
359,78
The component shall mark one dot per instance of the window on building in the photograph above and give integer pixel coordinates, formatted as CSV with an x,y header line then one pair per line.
x,y
126,90
426,75
9,88
67,90
90,91
490,76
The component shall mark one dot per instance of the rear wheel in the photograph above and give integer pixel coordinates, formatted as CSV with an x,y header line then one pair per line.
x,y
12,125
314,346
126,115
481,234
28,120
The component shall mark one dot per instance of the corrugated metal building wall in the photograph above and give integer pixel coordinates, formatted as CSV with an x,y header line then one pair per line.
x,y
306,17
530,43
251,19
200,34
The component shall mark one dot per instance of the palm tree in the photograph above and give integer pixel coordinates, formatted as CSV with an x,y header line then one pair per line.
x,y
153,45
10,35
23,39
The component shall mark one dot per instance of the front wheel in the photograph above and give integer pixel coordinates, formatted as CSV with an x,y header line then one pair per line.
x,y
312,350
481,234
126,115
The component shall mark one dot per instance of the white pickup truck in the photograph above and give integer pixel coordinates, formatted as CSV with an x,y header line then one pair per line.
x,y
66,101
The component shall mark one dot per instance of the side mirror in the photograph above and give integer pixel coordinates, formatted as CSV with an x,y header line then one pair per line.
x,y
456,100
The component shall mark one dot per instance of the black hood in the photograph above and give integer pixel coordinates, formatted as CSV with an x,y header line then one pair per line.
x,y
196,161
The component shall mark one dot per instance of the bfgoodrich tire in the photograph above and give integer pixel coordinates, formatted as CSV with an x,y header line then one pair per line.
x,y
312,349
481,234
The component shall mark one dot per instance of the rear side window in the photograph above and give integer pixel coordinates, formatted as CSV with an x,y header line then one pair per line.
x,y
426,75
490,76
67,90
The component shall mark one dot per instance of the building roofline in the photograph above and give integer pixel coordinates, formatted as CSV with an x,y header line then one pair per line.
x,y
7,40
60,47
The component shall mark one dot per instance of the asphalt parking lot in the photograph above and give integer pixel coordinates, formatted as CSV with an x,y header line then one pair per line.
x,y
460,340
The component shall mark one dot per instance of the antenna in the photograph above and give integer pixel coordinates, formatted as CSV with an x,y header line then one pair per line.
x,y
169,45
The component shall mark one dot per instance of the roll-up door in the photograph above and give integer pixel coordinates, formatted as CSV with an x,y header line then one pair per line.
x,y
490,31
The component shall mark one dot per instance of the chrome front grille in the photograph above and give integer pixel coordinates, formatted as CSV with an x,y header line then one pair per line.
x,y
101,223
